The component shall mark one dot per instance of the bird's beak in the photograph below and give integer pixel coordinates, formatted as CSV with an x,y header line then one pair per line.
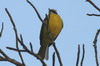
x,y
49,9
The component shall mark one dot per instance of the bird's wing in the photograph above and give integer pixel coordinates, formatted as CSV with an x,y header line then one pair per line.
x,y
42,30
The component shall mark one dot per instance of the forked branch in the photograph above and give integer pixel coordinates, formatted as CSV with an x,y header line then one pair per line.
x,y
22,43
5,57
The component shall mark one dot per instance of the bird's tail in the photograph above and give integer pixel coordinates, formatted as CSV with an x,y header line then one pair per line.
x,y
43,52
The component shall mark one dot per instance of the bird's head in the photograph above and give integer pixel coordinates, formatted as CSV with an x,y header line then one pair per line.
x,y
53,11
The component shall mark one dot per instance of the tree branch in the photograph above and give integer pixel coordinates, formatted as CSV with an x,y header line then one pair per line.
x,y
96,36
53,59
35,11
93,14
14,27
96,7
58,55
7,58
78,55
31,47
2,29
21,42
14,49
32,53
95,47
93,5
83,55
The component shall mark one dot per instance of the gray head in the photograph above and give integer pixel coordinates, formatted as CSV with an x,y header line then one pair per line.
x,y
53,11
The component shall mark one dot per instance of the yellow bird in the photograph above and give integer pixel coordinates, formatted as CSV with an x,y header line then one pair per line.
x,y
54,25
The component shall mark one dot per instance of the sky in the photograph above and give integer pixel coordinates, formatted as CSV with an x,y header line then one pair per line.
x,y
78,29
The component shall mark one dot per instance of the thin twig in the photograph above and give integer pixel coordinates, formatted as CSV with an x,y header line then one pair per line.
x,y
14,49
31,47
93,5
32,53
36,11
28,51
93,14
78,55
14,27
95,47
21,42
2,29
21,38
53,59
83,55
58,55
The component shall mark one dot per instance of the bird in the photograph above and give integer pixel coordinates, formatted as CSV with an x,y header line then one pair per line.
x,y
54,23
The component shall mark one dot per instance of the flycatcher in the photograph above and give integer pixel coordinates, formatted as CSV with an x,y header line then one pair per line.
x,y
54,25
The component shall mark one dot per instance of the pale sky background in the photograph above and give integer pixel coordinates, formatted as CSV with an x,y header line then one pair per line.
x,y
78,29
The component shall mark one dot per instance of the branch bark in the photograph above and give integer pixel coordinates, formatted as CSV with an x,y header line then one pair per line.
x,y
93,15
16,34
83,54
78,55
7,58
95,6
53,59
21,42
95,47
35,11
2,29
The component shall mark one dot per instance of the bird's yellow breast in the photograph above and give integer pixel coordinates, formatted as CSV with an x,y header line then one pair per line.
x,y
55,25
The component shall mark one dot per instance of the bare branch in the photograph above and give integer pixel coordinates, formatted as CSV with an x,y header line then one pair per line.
x,y
32,53
14,49
83,55
93,15
78,55
35,11
53,59
15,30
2,29
58,55
2,58
3,54
7,58
95,47
31,47
21,42
93,5
21,38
